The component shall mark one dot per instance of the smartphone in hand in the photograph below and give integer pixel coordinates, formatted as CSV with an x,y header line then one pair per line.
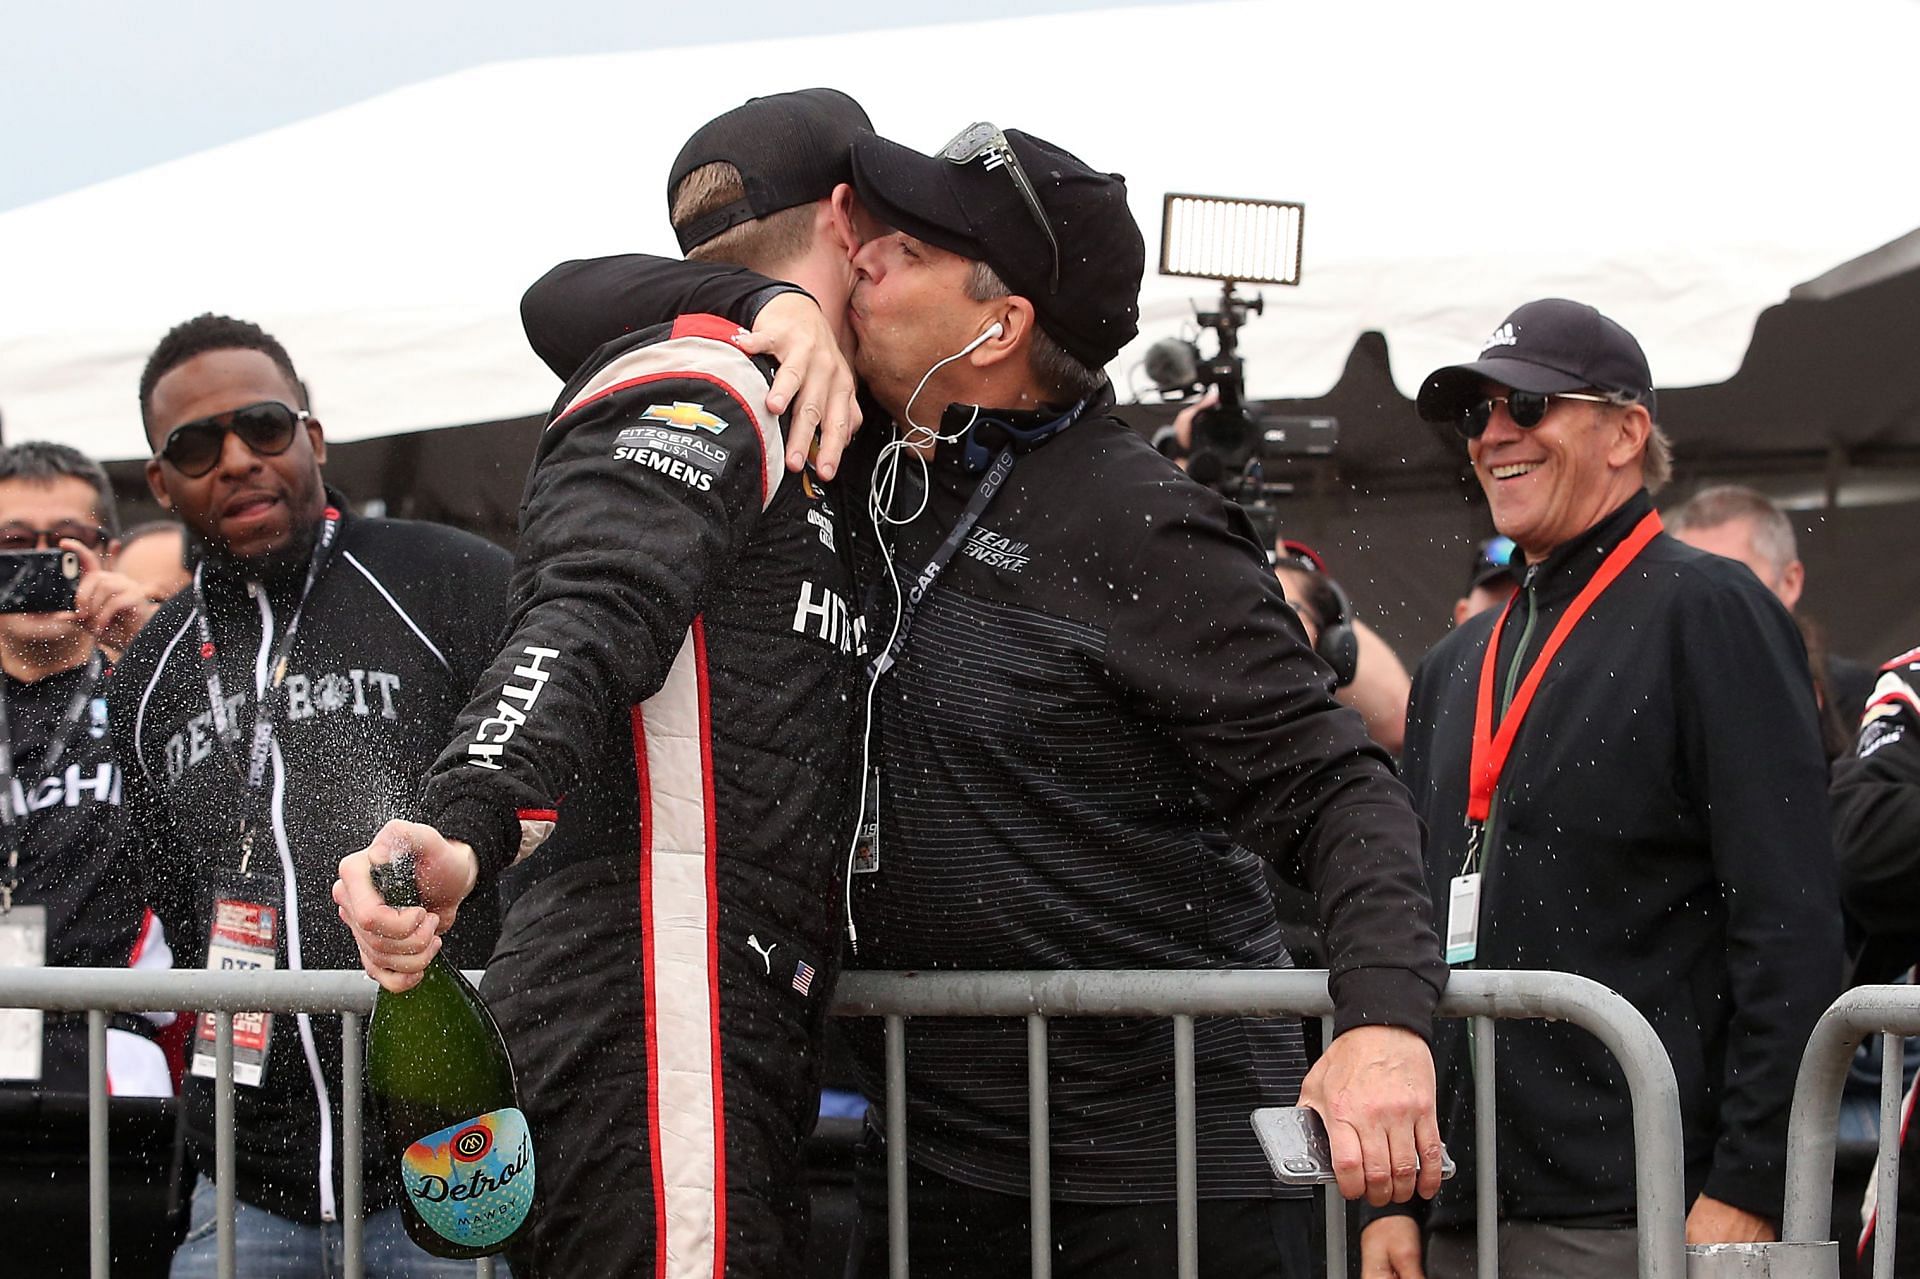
x,y
38,581
1294,1139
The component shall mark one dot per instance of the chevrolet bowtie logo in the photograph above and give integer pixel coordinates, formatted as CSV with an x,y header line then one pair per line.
x,y
686,416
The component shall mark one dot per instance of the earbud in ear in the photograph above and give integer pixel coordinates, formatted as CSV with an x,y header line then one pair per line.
x,y
994,330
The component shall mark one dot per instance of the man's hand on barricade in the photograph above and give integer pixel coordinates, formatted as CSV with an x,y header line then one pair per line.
x,y
397,945
1714,1221
1390,1249
111,607
814,378
1374,1087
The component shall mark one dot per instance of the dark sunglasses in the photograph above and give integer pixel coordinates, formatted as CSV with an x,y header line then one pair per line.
x,y
1527,409
267,428
985,141
25,537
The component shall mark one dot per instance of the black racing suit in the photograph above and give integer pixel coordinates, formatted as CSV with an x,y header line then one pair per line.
x,y
396,630
669,726
1876,839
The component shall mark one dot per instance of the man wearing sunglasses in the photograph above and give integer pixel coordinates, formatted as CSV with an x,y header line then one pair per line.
x,y
1093,700
1621,776
269,718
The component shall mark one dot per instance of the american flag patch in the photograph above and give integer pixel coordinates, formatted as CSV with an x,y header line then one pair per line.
x,y
803,977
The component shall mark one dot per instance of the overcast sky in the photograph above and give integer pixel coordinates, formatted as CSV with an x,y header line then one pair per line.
x,y
90,92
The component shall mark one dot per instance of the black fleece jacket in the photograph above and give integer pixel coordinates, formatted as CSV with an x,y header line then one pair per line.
x,y
1661,827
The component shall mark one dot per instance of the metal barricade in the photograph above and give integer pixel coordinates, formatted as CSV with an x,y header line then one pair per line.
x,y
96,991
1183,995
1895,1012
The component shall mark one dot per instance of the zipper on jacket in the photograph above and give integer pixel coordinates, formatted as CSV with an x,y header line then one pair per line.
x,y
290,887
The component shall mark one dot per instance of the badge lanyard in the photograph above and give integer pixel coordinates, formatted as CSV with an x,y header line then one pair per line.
x,y
1491,749
864,857
245,931
260,750
990,485
76,705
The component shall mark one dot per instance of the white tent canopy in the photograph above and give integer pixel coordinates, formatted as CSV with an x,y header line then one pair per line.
x,y
1681,166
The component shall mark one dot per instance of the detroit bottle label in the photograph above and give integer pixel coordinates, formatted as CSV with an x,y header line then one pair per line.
x,y
473,1182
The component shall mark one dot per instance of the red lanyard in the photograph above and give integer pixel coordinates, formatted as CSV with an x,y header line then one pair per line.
x,y
1490,750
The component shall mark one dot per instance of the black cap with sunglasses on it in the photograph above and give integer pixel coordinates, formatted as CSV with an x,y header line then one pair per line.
x,y
1055,231
1549,347
790,148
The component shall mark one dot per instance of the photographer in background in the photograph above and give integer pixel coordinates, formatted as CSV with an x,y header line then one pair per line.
x,y
62,900
1369,675
1491,582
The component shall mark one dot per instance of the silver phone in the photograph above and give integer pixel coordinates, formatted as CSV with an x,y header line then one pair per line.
x,y
1294,1139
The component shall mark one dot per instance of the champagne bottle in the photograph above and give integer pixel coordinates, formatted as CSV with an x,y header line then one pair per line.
x,y
442,1087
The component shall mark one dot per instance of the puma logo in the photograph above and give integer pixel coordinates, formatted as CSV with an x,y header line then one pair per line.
x,y
766,953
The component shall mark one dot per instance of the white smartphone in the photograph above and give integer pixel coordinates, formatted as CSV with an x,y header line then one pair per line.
x,y
1294,1139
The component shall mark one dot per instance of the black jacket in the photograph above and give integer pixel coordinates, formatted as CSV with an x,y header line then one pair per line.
x,y
67,821
1104,702
1876,818
397,630
1876,837
1661,827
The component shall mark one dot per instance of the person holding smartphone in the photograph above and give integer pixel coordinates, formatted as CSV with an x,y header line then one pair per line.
x,y
63,900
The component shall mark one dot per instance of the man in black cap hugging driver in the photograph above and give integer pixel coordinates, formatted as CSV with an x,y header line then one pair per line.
x,y
1097,713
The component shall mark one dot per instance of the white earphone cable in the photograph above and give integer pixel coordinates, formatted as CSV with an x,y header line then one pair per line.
x,y
881,491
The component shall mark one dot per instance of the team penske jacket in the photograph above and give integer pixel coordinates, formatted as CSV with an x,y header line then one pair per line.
x,y
394,635
646,687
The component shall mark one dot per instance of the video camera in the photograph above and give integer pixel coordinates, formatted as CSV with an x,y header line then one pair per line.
x,y
1234,241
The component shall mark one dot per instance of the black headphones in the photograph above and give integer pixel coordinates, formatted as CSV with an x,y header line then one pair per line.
x,y
1338,644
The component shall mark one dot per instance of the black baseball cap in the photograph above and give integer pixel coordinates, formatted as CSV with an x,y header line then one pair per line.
x,y
790,148
1549,346
980,213
1492,562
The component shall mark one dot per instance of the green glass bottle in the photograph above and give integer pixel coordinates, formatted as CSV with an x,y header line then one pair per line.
x,y
441,1085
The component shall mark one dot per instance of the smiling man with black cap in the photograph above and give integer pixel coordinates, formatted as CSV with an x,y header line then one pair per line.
x,y
1621,776
664,747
